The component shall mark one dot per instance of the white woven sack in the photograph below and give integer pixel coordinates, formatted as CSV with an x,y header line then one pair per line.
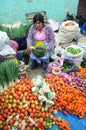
x,y
68,33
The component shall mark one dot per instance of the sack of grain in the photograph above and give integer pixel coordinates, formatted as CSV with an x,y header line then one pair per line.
x,y
68,31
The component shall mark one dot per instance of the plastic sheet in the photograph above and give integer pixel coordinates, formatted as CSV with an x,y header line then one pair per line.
x,y
75,122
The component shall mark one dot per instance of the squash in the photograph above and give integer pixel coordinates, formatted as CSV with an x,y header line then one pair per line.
x,y
39,51
39,43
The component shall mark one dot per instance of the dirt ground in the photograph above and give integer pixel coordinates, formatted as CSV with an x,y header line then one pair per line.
x,y
37,71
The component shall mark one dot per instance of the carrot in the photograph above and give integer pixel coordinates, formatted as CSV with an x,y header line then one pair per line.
x,y
67,97
82,72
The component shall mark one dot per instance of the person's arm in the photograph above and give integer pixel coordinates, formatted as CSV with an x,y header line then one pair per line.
x,y
30,39
51,38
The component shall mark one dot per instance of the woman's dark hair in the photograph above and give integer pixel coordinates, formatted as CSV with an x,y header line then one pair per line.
x,y
38,17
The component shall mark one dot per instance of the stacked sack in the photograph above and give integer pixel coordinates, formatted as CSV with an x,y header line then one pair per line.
x,y
68,31
82,44
4,39
5,48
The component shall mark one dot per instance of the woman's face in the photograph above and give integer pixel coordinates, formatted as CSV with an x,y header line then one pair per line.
x,y
39,25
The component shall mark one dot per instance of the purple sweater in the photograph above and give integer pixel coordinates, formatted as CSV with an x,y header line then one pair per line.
x,y
50,38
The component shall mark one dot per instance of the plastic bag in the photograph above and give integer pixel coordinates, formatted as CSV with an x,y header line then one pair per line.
x,y
72,64
4,39
54,64
14,44
54,24
21,43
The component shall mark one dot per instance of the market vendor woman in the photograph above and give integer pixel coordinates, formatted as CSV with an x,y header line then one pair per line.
x,y
40,31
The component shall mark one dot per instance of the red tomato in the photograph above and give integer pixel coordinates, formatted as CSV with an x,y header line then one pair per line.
x,y
5,127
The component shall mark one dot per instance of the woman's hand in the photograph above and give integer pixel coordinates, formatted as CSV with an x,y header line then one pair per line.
x,y
46,51
30,48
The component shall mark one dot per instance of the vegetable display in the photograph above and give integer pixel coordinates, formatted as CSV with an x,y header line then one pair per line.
x,y
67,97
79,82
15,30
49,122
33,104
73,51
82,72
9,72
45,94
68,66
20,109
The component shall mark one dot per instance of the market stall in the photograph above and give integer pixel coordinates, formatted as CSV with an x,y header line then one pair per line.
x,y
50,102
54,101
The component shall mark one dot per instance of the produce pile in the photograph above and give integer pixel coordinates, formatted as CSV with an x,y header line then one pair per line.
x,y
73,51
15,30
9,71
67,97
78,81
21,108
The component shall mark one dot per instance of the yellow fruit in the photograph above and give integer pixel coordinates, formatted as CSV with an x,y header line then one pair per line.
x,y
59,118
79,67
39,43
55,111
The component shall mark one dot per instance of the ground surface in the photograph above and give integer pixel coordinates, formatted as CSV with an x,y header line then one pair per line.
x,y
37,71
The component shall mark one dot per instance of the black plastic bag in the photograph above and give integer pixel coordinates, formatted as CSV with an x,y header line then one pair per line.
x,y
70,16
83,63
25,57
1,59
22,43
73,67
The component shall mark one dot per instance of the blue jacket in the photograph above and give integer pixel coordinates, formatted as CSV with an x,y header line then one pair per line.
x,y
83,28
